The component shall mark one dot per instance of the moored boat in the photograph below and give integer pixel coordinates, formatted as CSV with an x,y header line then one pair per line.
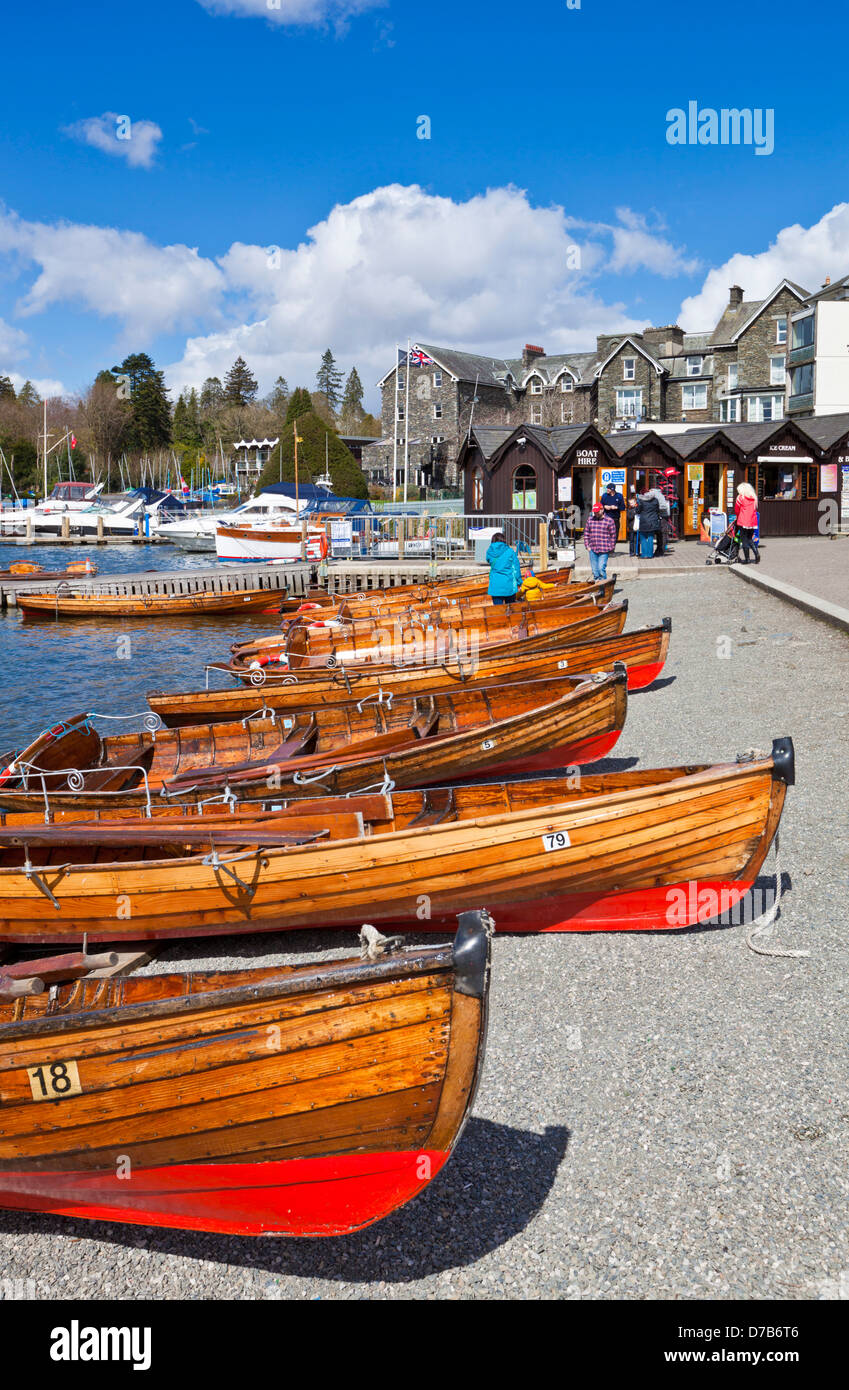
x,y
203,603
643,653
650,849
298,1101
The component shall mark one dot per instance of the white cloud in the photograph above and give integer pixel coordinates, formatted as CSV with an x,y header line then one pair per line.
x,y
150,289
46,386
637,245
13,343
293,11
134,141
805,255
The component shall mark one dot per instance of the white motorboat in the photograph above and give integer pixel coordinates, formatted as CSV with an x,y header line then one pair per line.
x,y
197,531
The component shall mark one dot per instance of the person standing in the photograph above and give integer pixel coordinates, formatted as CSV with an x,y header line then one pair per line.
x,y
648,512
505,572
631,525
599,539
746,512
613,505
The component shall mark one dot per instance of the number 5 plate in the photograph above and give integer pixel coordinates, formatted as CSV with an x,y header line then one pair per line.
x,y
556,839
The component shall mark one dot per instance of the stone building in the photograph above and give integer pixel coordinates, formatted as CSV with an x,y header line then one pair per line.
x,y
733,373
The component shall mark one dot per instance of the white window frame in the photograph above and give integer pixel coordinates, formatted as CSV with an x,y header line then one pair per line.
x,y
400,415
729,411
437,411
698,393
400,381
756,416
733,376
437,379
536,386
632,407
629,369
781,330
566,382
565,413
691,369
778,374
536,414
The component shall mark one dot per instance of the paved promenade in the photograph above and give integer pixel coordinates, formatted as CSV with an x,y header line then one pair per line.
x,y
816,564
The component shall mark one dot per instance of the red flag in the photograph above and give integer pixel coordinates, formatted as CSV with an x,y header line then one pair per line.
x,y
73,441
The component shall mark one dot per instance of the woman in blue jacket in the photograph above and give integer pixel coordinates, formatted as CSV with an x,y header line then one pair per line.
x,y
505,572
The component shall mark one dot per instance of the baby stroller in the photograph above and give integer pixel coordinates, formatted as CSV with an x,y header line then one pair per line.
x,y
726,548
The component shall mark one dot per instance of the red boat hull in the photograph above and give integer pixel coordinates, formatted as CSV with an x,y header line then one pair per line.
x,y
582,750
641,676
293,1197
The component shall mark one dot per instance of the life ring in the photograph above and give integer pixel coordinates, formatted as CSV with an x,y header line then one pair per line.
x,y
308,607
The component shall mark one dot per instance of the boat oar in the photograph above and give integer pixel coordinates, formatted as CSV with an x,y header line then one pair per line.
x,y
53,969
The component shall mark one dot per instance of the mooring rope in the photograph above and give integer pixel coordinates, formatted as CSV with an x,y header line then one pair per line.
x,y
760,926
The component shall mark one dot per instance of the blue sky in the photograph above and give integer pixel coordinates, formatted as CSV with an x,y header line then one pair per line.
x,y
268,126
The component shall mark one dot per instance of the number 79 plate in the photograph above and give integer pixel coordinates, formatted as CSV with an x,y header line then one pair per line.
x,y
556,839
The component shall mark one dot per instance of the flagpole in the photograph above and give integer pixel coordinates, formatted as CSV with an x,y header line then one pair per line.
x,y
295,429
407,421
395,426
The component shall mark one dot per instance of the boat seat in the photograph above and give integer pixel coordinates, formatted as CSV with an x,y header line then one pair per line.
x,y
291,748
121,771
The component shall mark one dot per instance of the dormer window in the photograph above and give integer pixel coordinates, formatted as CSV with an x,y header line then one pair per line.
x,y
629,368
694,366
536,386
566,383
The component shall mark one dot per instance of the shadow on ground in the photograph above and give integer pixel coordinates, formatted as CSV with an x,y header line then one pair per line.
x,y
493,1186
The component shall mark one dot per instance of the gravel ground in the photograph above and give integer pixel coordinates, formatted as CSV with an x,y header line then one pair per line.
x,y
661,1116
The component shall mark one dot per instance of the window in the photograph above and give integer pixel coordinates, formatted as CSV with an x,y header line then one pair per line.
x,y
694,398
437,378
788,482
763,408
629,404
565,414
536,386
732,376
729,411
400,381
566,382
437,439
781,330
802,380
803,332
536,414
437,412
629,368
776,371
524,488
477,489
694,366
400,415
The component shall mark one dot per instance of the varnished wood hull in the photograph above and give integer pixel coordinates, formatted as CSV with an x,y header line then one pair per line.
x,y
303,1101
631,852
524,727
461,586
154,606
642,652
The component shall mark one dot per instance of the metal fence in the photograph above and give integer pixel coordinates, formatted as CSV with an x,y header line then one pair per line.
x,y
438,536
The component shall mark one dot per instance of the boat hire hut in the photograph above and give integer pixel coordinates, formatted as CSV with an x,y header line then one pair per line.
x,y
799,469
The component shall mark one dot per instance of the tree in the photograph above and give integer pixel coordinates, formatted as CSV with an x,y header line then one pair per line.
x,y
300,402
107,417
28,395
278,399
7,390
240,386
369,425
352,402
212,397
328,379
316,437
186,428
150,408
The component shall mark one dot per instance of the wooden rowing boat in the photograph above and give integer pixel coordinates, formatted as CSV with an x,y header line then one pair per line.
x,y
459,586
24,572
400,649
642,652
430,605
302,1101
529,726
201,604
642,850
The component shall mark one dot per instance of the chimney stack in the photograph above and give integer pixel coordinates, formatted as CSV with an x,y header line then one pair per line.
x,y
530,354
826,282
735,298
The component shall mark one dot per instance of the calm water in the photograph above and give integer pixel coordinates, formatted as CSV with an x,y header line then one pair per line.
x,y
50,670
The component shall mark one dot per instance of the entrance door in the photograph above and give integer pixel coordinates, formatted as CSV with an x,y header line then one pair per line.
x,y
583,491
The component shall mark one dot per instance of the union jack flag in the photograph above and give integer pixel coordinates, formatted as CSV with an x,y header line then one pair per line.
x,y
419,358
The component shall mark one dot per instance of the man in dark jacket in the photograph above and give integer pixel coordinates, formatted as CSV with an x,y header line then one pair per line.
x,y
648,511
613,504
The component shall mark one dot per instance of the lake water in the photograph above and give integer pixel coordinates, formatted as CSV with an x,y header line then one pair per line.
x,y
50,670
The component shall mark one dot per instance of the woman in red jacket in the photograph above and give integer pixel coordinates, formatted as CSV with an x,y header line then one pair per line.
x,y
746,511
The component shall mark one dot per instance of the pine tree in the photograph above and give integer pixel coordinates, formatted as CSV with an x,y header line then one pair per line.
x,y
240,386
300,402
212,398
150,409
278,399
186,427
7,390
28,396
314,436
328,379
352,400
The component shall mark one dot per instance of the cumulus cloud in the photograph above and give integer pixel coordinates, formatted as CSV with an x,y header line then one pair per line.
x,y
13,343
337,12
804,255
150,289
46,386
636,244
134,141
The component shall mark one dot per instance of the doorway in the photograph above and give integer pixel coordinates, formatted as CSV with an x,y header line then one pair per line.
x,y
583,492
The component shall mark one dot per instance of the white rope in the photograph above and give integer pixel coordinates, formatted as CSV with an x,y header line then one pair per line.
x,y
372,943
760,927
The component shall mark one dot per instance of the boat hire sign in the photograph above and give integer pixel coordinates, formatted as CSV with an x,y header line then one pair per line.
x,y
586,458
